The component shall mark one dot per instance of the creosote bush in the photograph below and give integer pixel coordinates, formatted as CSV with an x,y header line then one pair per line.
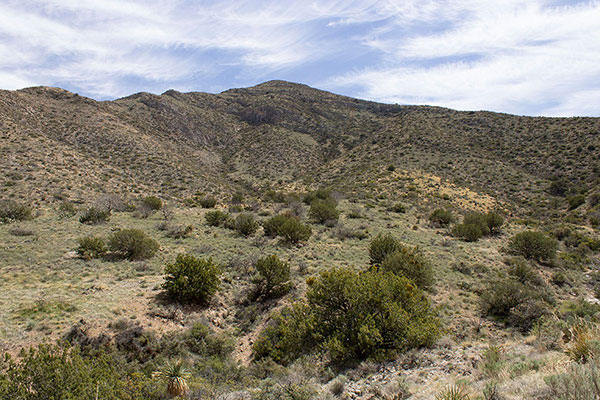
x,y
323,211
352,316
152,202
66,209
216,218
245,224
288,227
207,202
381,246
411,263
191,279
94,216
273,276
91,247
533,245
441,217
468,232
10,210
132,244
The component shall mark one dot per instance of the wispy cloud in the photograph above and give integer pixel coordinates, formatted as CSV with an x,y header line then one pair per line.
x,y
525,57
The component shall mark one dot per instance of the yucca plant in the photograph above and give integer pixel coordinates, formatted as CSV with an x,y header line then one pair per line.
x,y
454,392
175,374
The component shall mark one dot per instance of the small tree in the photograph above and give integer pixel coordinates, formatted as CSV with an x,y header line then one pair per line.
x,y
272,225
191,279
273,276
381,246
132,244
533,245
293,231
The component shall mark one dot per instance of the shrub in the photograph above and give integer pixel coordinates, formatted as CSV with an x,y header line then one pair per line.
x,y
272,225
203,341
533,245
575,201
179,231
381,246
94,216
10,210
66,209
152,203
273,276
293,231
580,382
190,279
521,270
584,341
410,263
468,232
494,221
323,211
216,218
441,217
477,219
398,208
91,247
207,202
245,224
319,194
132,244
352,316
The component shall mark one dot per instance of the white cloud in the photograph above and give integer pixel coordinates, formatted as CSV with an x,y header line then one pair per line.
x,y
512,55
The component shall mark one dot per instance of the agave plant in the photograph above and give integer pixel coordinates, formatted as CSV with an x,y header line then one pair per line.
x,y
175,374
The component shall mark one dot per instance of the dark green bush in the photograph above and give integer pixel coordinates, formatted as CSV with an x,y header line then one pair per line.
x,y
91,247
319,194
94,216
411,263
441,217
478,219
245,224
273,277
575,201
494,221
352,316
323,211
216,218
293,231
468,232
533,245
179,231
398,208
152,203
272,225
207,202
523,271
190,279
381,246
132,244
10,210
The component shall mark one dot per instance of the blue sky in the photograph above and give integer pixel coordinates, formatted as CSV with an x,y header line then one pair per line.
x,y
531,57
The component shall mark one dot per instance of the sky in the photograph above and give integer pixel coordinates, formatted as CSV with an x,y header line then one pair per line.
x,y
525,57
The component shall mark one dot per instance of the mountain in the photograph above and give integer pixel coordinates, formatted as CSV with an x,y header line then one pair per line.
x,y
278,134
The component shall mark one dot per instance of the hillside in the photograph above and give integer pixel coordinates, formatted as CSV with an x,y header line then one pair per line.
x,y
329,248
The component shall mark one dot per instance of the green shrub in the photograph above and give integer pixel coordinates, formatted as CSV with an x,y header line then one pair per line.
x,y
10,210
323,211
494,221
575,201
216,218
94,216
319,194
179,231
91,247
272,225
410,263
203,341
381,246
63,372
152,203
523,271
190,279
273,276
468,232
132,244
274,197
245,224
478,219
207,202
398,208
441,217
351,316
579,382
533,245
293,231
66,209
